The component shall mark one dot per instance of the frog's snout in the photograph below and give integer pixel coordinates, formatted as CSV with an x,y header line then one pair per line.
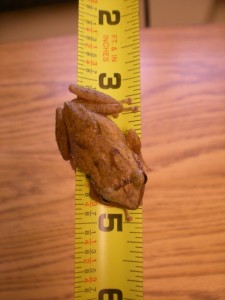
x,y
128,196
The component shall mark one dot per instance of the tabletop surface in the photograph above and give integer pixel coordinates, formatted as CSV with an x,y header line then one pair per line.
x,y
183,141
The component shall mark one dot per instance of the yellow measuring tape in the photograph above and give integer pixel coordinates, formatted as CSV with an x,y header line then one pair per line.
x,y
108,249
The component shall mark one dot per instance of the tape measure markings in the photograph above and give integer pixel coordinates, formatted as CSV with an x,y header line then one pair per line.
x,y
97,228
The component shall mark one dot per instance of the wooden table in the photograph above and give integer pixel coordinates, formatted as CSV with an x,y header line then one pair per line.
x,y
183,126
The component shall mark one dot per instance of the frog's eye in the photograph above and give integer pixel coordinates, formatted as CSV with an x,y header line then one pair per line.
x,y
138,178
145,178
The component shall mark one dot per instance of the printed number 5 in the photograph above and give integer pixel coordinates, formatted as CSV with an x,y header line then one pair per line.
x,y
111,218
110,293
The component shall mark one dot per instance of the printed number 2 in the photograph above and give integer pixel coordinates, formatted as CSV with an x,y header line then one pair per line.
x,y
111,218
109,20
110,293
109,84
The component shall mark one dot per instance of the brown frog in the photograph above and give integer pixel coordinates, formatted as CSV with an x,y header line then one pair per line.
x,y
93,143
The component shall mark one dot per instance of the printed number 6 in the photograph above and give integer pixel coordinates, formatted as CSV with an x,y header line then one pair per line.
x,y
109,84
111,218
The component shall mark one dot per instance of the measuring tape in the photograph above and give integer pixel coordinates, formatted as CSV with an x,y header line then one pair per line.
x,y
108,249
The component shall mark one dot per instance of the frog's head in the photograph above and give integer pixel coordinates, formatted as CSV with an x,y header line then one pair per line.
x,y
128,194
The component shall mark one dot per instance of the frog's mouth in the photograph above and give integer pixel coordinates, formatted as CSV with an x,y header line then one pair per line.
x,y
129,205
107,202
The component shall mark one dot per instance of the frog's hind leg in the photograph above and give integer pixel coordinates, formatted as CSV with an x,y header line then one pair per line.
x,y
82,120
132,109
99,102
61,134
72,163
129,102
91,95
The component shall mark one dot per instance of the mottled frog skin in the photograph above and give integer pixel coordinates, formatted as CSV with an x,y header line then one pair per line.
x,y
93,143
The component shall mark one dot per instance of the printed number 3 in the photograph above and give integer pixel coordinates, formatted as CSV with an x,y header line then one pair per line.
x,y
108,83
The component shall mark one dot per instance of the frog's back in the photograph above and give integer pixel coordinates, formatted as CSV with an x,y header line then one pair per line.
x,y
101,150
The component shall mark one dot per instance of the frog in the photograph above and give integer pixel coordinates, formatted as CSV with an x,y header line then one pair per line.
x,y
112,161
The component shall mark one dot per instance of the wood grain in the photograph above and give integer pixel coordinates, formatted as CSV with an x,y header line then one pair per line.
x,y
183,84
183,137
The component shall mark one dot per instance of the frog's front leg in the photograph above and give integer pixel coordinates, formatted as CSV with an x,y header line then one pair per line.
x,y
61,134
134,143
